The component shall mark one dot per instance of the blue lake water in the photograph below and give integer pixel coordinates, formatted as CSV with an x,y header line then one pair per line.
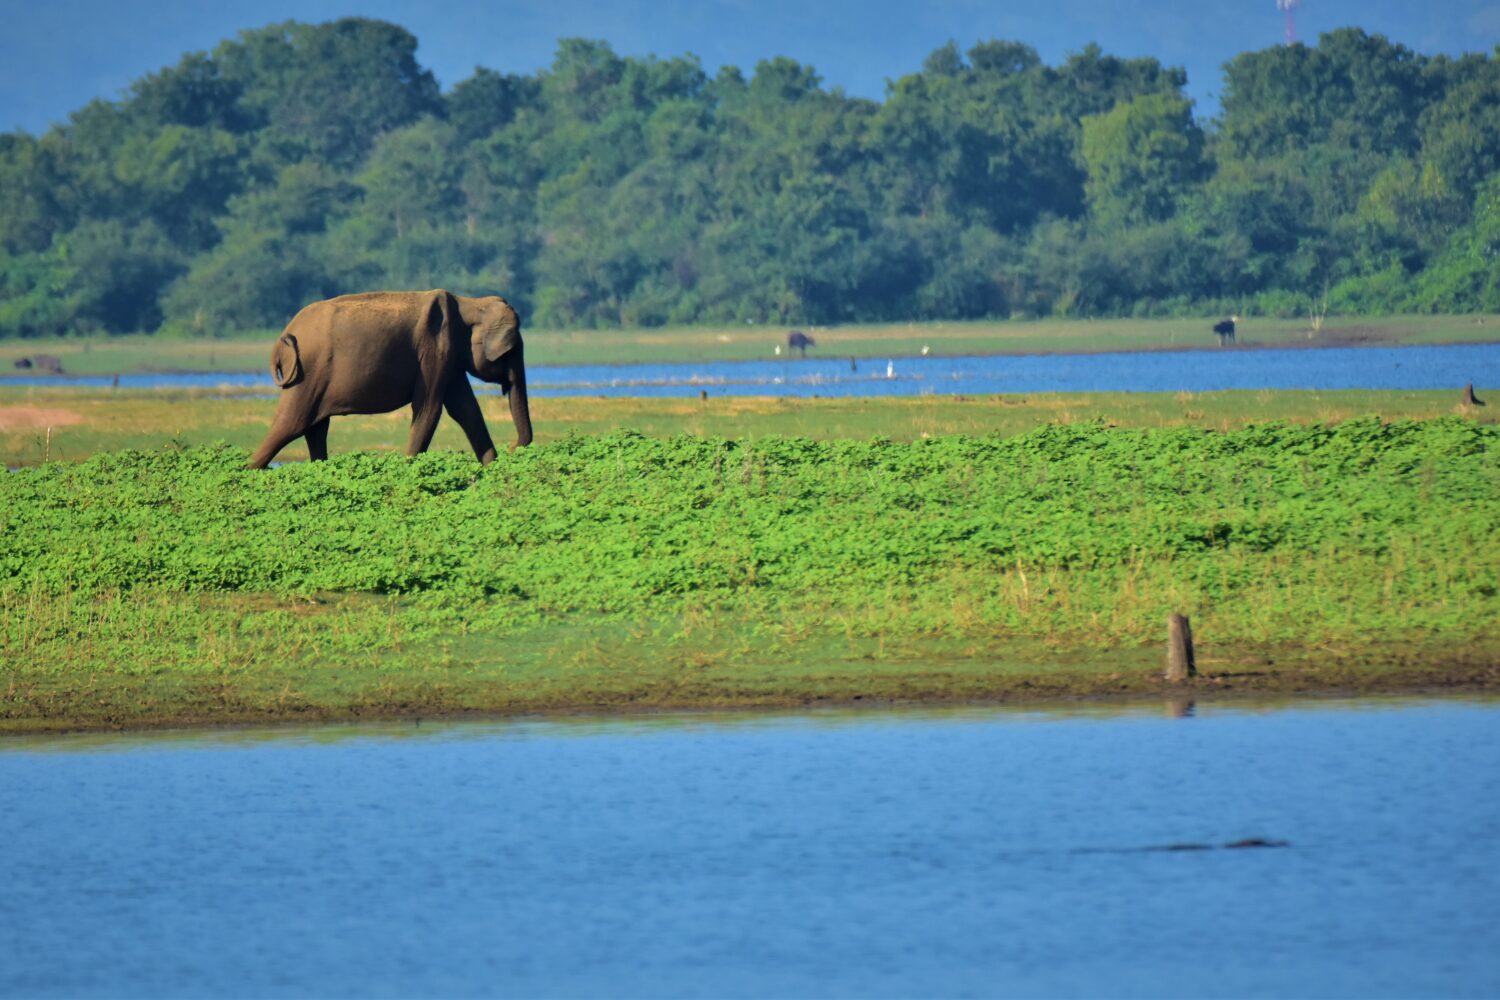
x,y
964,853
1439,367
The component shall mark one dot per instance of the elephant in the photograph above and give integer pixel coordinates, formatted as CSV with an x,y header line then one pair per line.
x,y
379,351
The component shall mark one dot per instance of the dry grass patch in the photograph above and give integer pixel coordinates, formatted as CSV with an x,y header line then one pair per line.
x,y
35,418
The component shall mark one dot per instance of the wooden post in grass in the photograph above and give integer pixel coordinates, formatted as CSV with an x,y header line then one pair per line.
x,y
1180,665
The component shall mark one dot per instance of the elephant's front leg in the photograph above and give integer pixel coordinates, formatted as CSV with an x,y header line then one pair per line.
x,y
464,408
425,414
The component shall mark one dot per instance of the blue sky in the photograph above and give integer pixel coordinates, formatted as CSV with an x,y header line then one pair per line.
x,y
55,55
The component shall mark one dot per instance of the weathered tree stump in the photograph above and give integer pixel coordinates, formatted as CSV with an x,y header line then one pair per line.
x,y
1469,398
1180,665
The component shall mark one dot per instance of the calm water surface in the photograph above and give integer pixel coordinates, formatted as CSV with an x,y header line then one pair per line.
x,y
1441,367
979,853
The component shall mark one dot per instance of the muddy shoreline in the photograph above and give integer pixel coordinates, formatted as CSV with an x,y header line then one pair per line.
x,y
1043,691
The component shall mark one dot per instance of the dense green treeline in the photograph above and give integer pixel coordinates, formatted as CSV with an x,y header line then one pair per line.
x,y
298,161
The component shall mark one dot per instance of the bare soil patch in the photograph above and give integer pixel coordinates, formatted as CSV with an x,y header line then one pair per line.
x,y
27,418
1356,336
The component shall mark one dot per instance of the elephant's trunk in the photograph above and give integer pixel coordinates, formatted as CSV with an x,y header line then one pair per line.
x,y
520,411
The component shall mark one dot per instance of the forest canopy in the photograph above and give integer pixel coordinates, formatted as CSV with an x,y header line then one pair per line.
x,y
299,161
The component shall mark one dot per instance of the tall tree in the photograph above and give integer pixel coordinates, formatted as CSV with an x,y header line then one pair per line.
x,y
328,91
1142,157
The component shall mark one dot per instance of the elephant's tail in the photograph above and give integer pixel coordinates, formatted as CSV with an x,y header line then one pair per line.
x,y
286,362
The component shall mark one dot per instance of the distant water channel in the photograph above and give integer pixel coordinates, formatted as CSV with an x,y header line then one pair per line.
x,y
962,853
1438,367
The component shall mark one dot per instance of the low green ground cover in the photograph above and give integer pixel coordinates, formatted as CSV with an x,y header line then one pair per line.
x,y
620,569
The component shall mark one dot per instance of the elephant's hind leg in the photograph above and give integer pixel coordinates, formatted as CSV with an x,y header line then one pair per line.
x,y
317,440
287,426
276,440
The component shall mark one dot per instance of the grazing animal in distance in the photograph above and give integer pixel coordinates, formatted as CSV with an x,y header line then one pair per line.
x,y
1225,330
1469,398
42,362
797,340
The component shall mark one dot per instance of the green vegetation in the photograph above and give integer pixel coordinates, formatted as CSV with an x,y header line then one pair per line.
x,y
298,161
617,570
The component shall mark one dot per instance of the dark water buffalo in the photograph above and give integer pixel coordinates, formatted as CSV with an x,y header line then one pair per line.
x,y
797,340
42,362
1225,330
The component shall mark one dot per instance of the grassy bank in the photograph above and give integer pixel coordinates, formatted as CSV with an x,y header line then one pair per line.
x,y
610,571
71,424
121,355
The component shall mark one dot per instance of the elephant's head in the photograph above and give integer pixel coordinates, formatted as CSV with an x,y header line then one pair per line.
x,y
497,354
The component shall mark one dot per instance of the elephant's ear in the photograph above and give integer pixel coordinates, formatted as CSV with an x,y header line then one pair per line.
x,y
499,331
440,313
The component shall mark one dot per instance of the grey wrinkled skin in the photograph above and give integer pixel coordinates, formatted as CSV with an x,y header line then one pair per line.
x,y
379,351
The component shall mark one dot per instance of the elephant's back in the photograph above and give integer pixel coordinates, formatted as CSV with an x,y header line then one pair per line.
x,y
367,312
365,352
377,327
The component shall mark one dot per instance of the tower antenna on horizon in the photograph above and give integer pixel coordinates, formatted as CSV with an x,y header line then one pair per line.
x,y
1290,8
